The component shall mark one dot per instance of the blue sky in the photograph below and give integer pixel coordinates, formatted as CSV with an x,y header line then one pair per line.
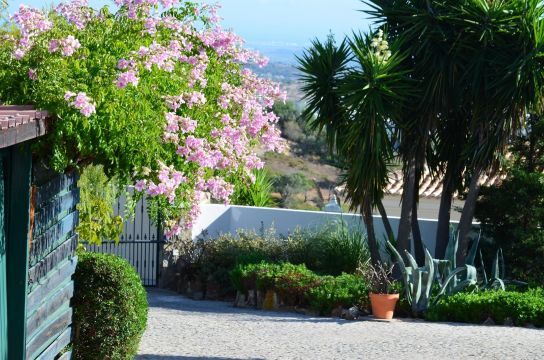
x,y
268,25
275,21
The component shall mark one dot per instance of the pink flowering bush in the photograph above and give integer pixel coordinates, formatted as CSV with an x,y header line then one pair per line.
x,y
157,93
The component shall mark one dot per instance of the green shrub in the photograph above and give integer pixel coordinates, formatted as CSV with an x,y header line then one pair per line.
x,y
292,282
298,286
345,290
331,250
217,257
522,307
110,308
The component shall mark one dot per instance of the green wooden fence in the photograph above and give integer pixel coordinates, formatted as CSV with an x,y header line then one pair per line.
x,y
37,257
3,269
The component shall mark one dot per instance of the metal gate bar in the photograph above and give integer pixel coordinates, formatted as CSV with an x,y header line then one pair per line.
x,y
140,244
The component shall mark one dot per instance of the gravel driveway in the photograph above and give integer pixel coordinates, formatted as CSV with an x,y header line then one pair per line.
x,y
179,328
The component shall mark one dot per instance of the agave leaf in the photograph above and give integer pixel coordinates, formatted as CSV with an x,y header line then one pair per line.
x,y
426,287
407,272
450,278
463,285
496,284
429,263
442,270
495,269
502,271
451,249
471,256
484,273
416,291
411,260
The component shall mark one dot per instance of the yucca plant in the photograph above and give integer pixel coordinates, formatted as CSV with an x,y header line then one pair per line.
x,y
258,193
354,93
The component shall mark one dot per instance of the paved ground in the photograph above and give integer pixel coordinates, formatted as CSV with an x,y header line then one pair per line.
x,y
179,328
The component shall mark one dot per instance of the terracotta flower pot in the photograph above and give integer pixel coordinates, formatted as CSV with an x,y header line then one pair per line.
x,y
383,305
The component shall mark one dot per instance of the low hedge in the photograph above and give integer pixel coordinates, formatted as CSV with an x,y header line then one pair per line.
x,y
110,308
522,308
298,286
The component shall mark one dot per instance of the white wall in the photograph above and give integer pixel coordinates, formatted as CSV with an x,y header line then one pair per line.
x,y
219,219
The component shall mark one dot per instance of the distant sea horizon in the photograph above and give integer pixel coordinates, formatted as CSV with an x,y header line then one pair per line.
x,y
278,52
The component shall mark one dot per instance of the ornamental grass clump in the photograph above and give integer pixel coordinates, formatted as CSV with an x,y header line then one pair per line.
x,y
157,93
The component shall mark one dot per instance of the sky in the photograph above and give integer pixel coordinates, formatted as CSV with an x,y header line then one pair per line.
x,y
269,24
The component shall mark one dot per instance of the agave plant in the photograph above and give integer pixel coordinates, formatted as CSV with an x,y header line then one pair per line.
x,y
419,281
447,276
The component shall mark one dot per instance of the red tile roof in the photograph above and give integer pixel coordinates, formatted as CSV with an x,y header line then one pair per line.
x,y
430,185
20,123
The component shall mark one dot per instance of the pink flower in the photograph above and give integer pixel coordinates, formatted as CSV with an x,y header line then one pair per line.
x,y
76,12
129,77
81,102
19,54
69,45
32,75
53,46
140,185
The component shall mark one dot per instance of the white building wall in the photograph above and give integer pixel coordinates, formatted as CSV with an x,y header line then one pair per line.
x,y
219,219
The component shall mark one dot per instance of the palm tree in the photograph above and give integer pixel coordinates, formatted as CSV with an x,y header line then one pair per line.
x,y
479,67
355,93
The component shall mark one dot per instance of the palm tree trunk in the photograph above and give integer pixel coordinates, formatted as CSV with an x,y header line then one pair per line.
x,y
385,220
366,212
416,232
444,213
408,197
465,224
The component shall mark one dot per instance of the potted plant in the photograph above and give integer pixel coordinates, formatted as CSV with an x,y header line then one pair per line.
x,y
383,297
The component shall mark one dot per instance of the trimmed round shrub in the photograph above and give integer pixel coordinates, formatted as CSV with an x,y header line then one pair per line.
x,y
110,308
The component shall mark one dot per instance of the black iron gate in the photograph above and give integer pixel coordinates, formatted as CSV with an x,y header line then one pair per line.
x,y
140,244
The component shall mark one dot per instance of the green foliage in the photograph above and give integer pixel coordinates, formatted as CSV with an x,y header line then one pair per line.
x,y
292,184
512,215
292,282
97,221
512,212
330,250
258,193
426,285
110,308
344,290
420,281
521,307
296,285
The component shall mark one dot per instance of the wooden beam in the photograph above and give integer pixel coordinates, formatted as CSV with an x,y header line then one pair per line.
x,y
57,346
65,251
55,210
21,133
48,333
42,245
17,220
51,304
56,278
